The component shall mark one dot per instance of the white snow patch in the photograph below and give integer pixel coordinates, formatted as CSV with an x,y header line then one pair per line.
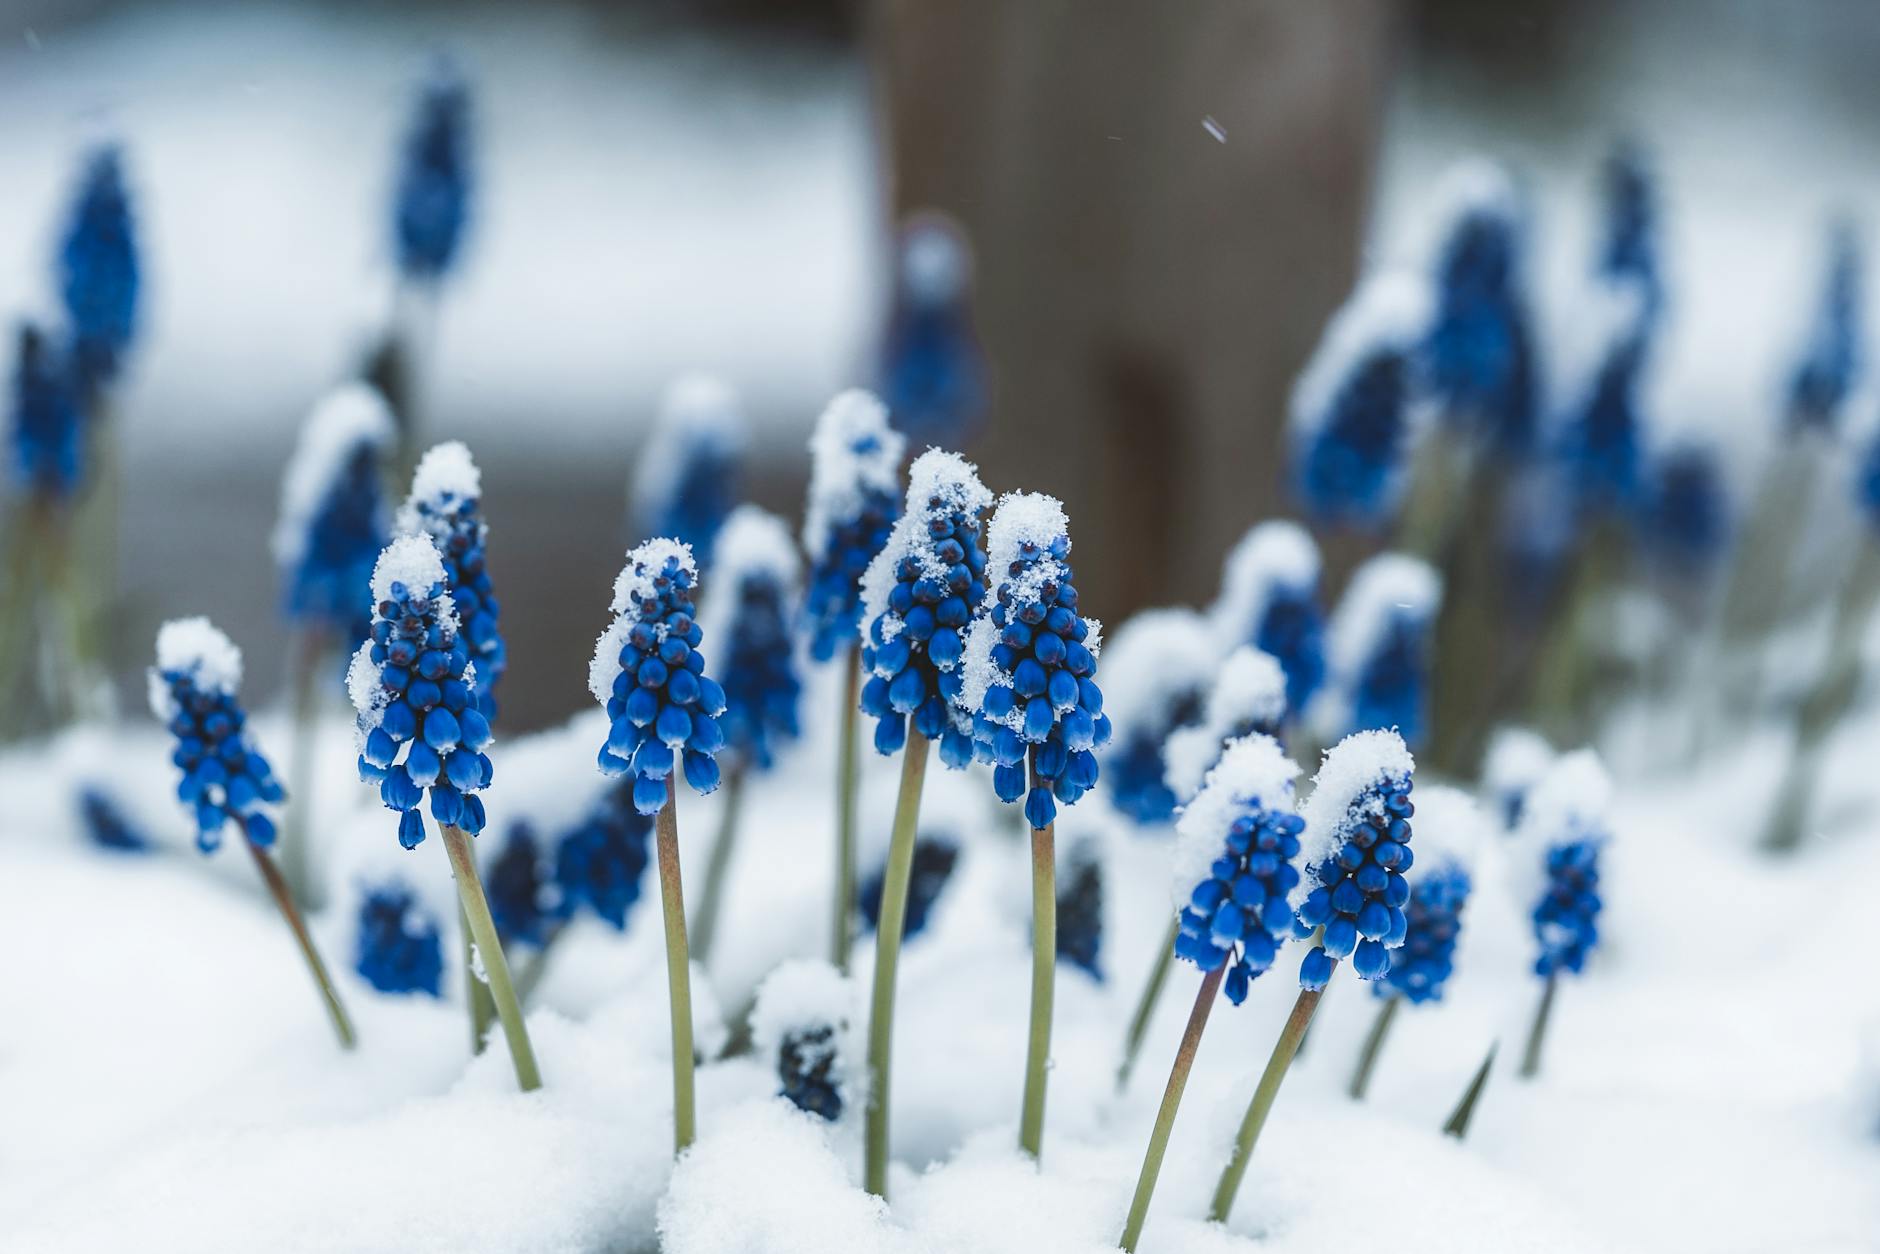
x,y
698,414
195,647
633,585
936,264
1273,555
1253,771
414,562
853,453
1448,828
368,695
1516,759
938,484
1571,801
1390,312
446,478
1251,689
349,416
1156,657
1352,768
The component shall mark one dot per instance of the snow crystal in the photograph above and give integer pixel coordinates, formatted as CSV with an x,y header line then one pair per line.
x,y
1390,310
753,543
1352,767
1252,770
347,417
697,413
446,473
1449,827
1385,587
1157,656
414,562
1516,759
195,647
633,585
938,483
1274,554
853,452
365,688
1250,689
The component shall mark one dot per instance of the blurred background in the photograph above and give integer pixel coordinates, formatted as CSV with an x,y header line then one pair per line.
x,y
1164,205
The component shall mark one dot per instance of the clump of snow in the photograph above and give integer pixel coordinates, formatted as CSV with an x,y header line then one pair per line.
x,y
1157,657
939,483
1570,801
754,544
364,688
936,264
1345,791
1386,588
446,477
1517,757
853,453
351,415
805,994
698,414
195,647
633,585
1253,772
1390,312
1272,555
1250,690
413,561
1449,828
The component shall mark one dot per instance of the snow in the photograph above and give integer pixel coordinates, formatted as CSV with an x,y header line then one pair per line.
x,y
936,264
939,483
195,647
698,415
1448,828
1351,768
1570,801
1157,655
414,562
1274,554
1390,311
853,452
1388,587
1250,689
1253,772
633,585
446,476
349,416
1516,759
753,544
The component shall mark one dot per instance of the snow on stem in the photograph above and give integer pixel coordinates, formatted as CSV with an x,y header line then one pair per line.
x,y
489,949
887,959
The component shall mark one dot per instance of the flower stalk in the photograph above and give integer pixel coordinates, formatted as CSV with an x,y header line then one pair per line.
x,y
1373,1046
1537,1032
1171,1102
476,909
284,901
718,868
848,775
892,920
1251,1125
1457,1125
678,969
1043,986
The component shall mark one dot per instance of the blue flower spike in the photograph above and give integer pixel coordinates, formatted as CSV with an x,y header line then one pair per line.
x,y
1379,648
1832,358
854,498
936,856
1684,520
802,1024
1356,410
1601,438
432,203
524,902
1235,868
334,519
1628,248
1158,671
601,862
1565,827
1080,901
933,370
446,504
1248,699
1269,598
226,783
400,945
98,272
47,429
689,474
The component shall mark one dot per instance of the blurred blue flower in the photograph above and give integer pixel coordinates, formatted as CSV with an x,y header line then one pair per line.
x,y
1080,909
601,861
333,519
1628,249
688,477
1381,641
1423,965
433,197
854,497
749,618
48,431
193,693
1684,519
518,889
400,946
933,372
1358,833
935,856
106,823
1832,357
446,504
98,271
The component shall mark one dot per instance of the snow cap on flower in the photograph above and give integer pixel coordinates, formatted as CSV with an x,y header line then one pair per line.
x,y
1378,649
689,473
802,1021
1450,830
1269,598
1235,849
1683,522
1832,358
1031,664
649,675
446,504
333,518
98,269
399,944
1564,828
1355,409
1356,850
193,692
854,495
47,429
433,197
933,373
601,861
1516,760
918,595
412,684
1156,676
1248,697
747,619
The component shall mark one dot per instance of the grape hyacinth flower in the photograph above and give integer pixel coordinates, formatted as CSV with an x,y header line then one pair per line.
x,y
226,781
98,272
1355,851
801,1021
1599,444
1355,410
1565,828
1160,668
1269,598
1832,358
602,861
1628,251
1684,515
333,520
523,902
400,947
106,824
411,684
663,711
446,504
688,476
1234,872
936,854
432,202
48,434
1248,699
918,597
1378,650
1080,909
933,372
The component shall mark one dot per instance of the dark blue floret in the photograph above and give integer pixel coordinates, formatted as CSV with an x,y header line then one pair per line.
x,y
400,947
433,199
1420,968
1684,520
806,1062
1240,915
1359,893
107,825
1566,919
520,895
933,375
934,859
600,863
1080,914
48,432
1832,357
1480,354
98,275
759,671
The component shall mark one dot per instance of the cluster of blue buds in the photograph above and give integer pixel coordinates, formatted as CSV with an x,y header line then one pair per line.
x,y
1831,359
1157,674
933,376
801,1020
1684,518
936,854
1269,599
519,890
1380,644
1600,437
48,431
1248,699
601,862
400,945
1565,828
1080,909
854,496
1234,864
333,520
748,618
1357,851
192,692
106,823
433,197
98,273
411,685
1031,665
446,504
647,672
1451,828
1353,410
687,479
918,595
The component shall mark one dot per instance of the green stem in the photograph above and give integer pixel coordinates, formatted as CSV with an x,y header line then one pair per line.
x,y
277,889
309,648
718,868
530,971
476,994
847,774
1283,1051
1373,1045
1531,1056
1171,1102
483,930
1145,1005
892,919
1043,985
1458,1122
678,967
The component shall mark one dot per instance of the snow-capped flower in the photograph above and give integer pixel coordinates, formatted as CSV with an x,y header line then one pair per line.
x,y
411,685
1516,760
106,824
98,271
688,477
1234,863
1684,511
933,374
193,693
446,504
1031,664
1355,410
1156,678
47,431
1628,250
433,197
1603,370
1269,598
399,947
1832,357
333,519
649,675
936,854
854,496
522,902
748,620
1356,850
1080,908
1565,828
1248,698
918,595
601,861
801,1021
1379,649
1450,829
